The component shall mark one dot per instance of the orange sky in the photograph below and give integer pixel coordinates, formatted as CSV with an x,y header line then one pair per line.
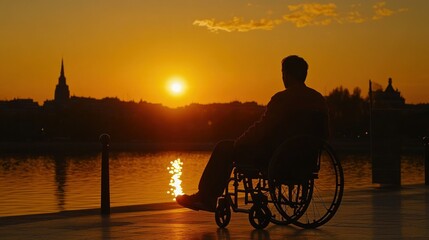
x,y
224,50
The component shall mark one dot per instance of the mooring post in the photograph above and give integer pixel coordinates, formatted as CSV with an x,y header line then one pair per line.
x,y
105,186
426,144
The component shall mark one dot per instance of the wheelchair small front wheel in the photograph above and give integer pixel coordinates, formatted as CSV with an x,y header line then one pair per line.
x,y
259,216
222,213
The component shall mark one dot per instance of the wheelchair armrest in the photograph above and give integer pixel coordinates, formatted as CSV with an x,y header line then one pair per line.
x,y
248,170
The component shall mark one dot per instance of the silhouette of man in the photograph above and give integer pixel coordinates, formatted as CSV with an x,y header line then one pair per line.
x,y
289,113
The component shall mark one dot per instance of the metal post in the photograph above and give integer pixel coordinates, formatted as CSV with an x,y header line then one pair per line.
x,y
105,186
426,144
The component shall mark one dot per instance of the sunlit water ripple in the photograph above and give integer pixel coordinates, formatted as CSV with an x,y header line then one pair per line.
x,y
52,183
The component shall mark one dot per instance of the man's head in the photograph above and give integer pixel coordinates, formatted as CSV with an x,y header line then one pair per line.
x,y
294,69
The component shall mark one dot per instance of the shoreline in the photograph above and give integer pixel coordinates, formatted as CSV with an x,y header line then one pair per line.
x,y
94,147
81,147
17,219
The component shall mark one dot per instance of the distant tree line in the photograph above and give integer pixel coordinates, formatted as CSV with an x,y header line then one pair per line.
x,y
349,113
84,119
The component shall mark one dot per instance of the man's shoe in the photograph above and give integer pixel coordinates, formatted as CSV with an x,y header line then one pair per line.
x,y
195,202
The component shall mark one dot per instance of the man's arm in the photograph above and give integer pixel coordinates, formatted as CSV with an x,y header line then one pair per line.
x,y
264,127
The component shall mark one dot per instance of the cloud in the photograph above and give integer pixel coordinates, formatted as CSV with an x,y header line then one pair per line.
x,y
303,15
355,17
381,11
309,14
237,24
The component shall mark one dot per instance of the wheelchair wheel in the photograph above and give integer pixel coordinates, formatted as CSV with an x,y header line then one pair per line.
x,y
222,213
327,193
259,216
276,217
290,200
306,181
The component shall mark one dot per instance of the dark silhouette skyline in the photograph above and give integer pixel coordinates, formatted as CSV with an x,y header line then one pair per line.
x,y
84,118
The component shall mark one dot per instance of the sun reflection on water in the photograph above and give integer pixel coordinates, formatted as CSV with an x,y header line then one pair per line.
x,y
175,182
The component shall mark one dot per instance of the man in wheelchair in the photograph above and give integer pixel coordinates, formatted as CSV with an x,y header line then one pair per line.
x,y
295,111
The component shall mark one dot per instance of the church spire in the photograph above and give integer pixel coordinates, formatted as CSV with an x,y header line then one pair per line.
x,y
62,78
62,68
62,93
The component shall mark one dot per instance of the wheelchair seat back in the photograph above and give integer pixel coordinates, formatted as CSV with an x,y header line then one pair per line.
x,y
296,157
296,160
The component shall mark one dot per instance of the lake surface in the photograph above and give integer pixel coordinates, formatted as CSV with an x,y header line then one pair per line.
x,y
51,183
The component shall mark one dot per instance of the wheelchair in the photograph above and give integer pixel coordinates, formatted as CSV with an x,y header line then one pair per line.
x,y
303,186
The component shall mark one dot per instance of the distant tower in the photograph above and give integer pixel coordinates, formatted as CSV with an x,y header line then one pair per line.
x,y
389,98
62,93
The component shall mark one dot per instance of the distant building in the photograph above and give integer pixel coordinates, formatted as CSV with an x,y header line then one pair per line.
x,y
18,105
62,93
389,98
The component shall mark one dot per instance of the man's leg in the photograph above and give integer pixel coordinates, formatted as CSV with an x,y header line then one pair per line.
x,y
217,171
213,180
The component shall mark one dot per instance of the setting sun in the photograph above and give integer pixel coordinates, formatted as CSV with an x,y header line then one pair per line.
x,y
176,86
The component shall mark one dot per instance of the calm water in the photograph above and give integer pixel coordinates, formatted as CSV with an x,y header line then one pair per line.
x,y
49,183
